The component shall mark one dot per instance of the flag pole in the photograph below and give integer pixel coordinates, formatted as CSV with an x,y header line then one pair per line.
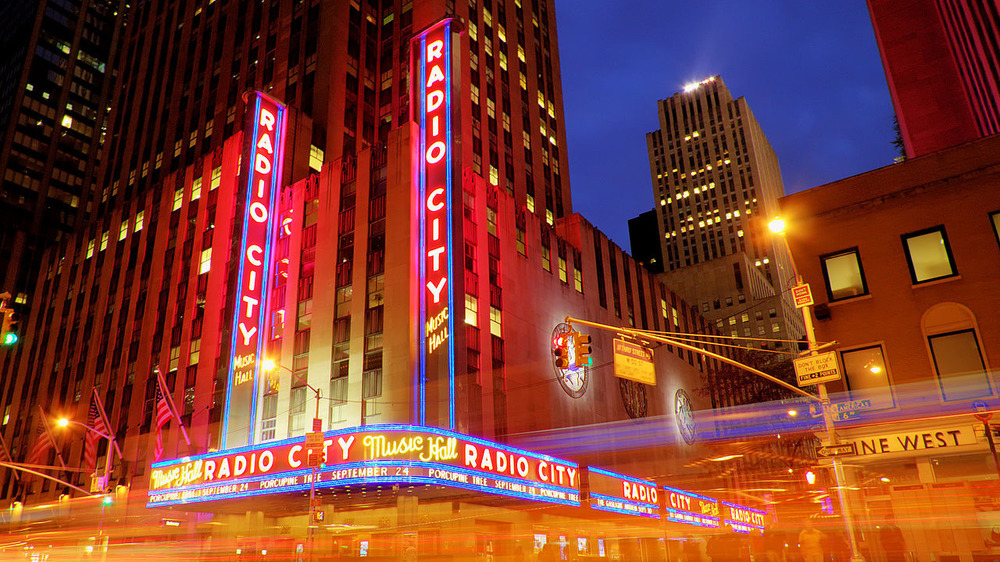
x,y
170,403
6,451
48,431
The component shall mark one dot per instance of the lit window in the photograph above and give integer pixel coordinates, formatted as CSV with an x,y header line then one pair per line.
x,y
196,189
562,270
546,259
123,230
471,310
206,261
67,121
139,221
844,275
495,321
178,199
316,157
90,249
929,255
104,240
775,327
216,178
578,279
867,377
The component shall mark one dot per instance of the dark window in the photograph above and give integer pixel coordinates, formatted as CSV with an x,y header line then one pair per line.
x,y
958,362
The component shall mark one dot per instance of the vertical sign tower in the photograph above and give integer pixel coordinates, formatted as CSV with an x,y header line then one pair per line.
x,y
260,169
436,233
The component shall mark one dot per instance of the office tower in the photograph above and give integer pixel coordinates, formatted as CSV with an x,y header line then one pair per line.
x,y
55,77
369,219
644,241
342,66
716,182
942,63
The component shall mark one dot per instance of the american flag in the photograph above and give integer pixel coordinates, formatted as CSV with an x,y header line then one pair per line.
x,y
95,427
43,442
163,415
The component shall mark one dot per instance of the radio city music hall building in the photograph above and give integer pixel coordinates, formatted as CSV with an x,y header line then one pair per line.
x,y
415,293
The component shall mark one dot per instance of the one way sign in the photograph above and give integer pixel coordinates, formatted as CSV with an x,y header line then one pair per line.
x,y
836,450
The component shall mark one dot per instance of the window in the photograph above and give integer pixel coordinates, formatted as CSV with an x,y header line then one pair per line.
x,y
471,310
496,322
843,275
867,377
959,365
206,261
929,255
954,351
995,221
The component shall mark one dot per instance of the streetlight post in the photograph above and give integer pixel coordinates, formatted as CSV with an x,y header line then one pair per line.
x,y
269,365
65,422
778,227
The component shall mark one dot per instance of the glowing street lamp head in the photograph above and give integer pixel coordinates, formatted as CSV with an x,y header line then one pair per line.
x,y
268,365
777,225
63,422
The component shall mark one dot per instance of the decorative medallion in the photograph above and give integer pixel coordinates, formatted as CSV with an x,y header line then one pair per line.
x,y
574,378
684,416
633,397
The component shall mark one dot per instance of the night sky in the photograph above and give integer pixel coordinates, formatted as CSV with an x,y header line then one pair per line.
x,y
810,72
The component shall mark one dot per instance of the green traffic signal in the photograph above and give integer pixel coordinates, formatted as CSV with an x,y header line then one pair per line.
x,y
9,339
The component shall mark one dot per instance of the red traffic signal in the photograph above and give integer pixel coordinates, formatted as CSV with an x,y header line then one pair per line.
x,y
560,349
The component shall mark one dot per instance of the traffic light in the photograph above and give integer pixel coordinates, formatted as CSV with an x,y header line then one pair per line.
x,y
561,351
9,334
582,349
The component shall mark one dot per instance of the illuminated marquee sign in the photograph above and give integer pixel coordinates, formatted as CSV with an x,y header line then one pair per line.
x,y
377,454
610,491
743,519
263,152
687,507
433,146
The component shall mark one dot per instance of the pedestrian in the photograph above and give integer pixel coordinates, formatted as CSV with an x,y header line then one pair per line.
x,y
811,542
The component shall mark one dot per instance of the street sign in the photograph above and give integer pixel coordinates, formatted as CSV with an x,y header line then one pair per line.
x,y
317,424
313,459
836,450
851,405
814,369
802,295
844,416
314,440
634,362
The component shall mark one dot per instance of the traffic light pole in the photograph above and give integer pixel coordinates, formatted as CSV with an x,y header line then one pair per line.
x,y
823,400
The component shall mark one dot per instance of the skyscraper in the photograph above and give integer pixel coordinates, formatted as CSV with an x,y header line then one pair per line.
x,y
942,62
403,286
55,77
716,182
343,68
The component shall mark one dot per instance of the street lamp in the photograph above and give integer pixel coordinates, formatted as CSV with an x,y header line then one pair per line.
x,y
777,225
269,365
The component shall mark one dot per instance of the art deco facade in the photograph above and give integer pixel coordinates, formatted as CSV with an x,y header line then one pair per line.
x,y
942,63
716,182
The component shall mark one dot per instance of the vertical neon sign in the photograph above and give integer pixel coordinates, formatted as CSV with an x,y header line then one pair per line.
x,y
436,317
263,155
